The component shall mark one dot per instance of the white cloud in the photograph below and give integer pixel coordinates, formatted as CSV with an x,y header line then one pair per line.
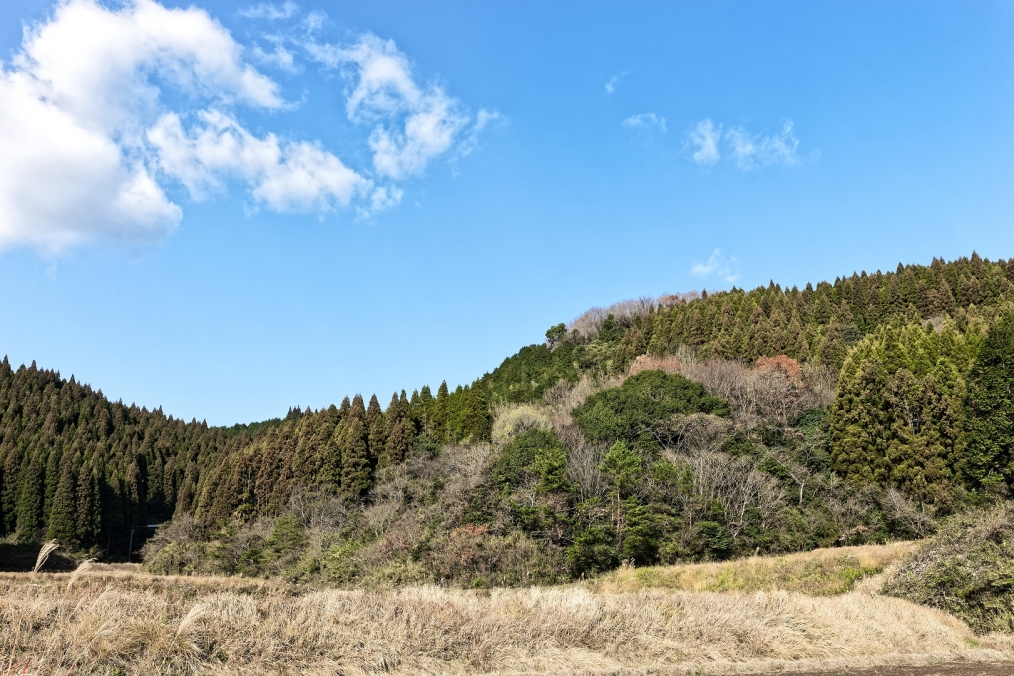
x,y
646,121
384,198
413,124
750,151
470,141
63,181
704,139
613,81
271,11
281,176
74,104
279,57
761,150
717,265
105,106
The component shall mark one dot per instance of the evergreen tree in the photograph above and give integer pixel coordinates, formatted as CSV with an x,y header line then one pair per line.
x,y
441,412
398,442
88,525
990,408
63,514
833,348
30,496
9,490
477,421
355,474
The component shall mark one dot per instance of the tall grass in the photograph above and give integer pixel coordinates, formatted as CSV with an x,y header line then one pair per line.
x,y
121,622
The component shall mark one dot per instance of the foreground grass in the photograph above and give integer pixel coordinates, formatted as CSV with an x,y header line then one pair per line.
x,y
106,621
822,572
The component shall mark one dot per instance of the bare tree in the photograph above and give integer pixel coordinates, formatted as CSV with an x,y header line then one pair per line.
x,y
736,484
583,463
905,513
320,509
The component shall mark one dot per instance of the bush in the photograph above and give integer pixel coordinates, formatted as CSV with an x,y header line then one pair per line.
x,y
642,403
967,570
516,420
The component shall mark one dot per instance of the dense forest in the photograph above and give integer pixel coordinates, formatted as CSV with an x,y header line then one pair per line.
x,y
692,427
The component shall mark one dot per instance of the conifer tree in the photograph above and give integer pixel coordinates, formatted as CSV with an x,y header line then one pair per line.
x,y
441,412
9,490
990,408
30,496
63,514
355,474
398,443
52,474
87,524
833,347
476,420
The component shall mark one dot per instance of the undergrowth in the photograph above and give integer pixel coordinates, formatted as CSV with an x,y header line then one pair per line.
x,y
967,570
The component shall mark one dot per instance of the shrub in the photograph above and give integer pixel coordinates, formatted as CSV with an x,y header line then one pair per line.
x,y
515,420
967,570
642,403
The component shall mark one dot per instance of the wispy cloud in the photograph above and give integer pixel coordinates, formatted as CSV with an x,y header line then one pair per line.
x,y
413,123
270,12
704,139
645,121
761,150
613,81
717,265
708,143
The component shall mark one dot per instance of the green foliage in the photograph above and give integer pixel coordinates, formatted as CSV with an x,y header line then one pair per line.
x,y
990,408
555,334
285,536
966,570
535,453
636,408
593,551
897,417
623,466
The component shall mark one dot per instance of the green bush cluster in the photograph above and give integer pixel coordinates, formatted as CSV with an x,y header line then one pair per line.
x,y
967,570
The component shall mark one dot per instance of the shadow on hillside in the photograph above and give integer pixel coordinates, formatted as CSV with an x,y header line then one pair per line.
x,y
21,559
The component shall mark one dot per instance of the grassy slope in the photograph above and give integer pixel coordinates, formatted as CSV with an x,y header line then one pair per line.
x,y
821,572
105,620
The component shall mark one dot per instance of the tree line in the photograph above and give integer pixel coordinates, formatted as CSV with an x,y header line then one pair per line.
x,y
79,468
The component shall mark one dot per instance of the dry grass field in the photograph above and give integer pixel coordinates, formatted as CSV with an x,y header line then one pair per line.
x,y
650,621
823,572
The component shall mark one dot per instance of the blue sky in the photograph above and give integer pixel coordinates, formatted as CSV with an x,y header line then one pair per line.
x,y
312,200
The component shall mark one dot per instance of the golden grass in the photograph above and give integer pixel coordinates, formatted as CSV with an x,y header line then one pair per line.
x,y
121,621
822,572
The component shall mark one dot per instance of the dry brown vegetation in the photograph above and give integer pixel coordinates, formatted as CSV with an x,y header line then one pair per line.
x,y
775,388
122,621
822,572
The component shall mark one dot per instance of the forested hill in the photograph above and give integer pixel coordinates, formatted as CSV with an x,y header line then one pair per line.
x,y
76,467
817,323
79,468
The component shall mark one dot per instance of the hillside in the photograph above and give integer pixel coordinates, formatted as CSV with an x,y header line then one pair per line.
x,y
689,428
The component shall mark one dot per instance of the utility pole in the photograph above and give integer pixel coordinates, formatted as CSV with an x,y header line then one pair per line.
x,y
130,547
